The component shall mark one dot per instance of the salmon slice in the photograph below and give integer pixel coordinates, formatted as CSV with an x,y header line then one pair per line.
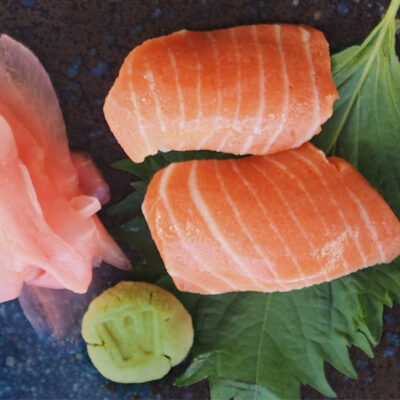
x,y
256,89
267,223
50,235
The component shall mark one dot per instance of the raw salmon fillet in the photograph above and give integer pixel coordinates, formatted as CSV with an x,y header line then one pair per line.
x,y
267,223
50,236
256,89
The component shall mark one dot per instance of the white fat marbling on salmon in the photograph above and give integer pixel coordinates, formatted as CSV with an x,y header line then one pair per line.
x,y
135,106
217,116
270,140
333,253
149,77
201,206
176,226
317,213
368,223
332,199
264,210
236,123
241,224
198,88
182,118
305,36
292,216
258,119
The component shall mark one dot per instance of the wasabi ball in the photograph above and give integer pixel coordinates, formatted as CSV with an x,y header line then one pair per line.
x,y
135,332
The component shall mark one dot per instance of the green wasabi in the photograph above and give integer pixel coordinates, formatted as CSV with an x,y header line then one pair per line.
x,y
135,332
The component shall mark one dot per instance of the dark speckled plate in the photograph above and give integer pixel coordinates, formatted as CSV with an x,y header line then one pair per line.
x,y
82,43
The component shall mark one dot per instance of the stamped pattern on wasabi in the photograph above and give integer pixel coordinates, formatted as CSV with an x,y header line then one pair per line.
x,y
135,332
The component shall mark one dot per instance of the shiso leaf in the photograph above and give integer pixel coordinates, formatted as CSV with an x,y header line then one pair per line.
x,y
365,127
264,345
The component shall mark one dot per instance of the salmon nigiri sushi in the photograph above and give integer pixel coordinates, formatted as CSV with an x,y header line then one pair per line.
x,y
256,89
267,223
50,236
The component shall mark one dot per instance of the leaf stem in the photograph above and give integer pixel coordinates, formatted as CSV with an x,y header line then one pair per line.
x,y
392,9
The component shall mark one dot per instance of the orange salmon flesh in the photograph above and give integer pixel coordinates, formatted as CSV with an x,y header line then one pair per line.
x,y
267,223
256,89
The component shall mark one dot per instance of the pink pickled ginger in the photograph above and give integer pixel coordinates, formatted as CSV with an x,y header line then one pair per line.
x,y
50,236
